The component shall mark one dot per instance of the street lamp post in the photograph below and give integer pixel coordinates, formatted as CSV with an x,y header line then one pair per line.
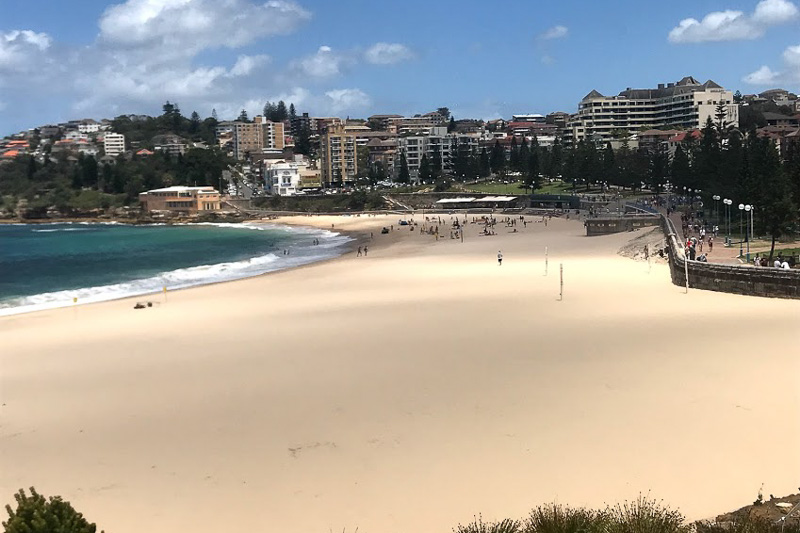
x,y
749,208
741,229
716,198
728,202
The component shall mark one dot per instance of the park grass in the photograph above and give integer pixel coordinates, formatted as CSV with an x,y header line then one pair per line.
x,y
516,187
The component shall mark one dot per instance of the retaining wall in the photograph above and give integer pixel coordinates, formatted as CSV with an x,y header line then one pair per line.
x,y
753,281
604,226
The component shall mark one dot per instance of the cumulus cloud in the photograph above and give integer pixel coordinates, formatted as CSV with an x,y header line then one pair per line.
x,y
730,25
790,74
340,100
556,32
387,53
246,64
187,26
21,47
325,63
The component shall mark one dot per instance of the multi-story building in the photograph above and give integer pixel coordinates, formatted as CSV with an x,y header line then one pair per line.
x,y
88,126
282,178
114,144
686,104
338,157
254,137
438,141
188,200
529,118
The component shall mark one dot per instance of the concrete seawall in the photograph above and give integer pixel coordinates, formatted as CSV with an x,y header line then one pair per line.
x,y
753,281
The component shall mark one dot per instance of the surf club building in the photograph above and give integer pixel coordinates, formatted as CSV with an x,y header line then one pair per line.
x,y
189,200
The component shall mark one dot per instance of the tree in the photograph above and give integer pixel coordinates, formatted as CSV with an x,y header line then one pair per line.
x,y
445,112
214,114
425,171
437,165
658,170
497,159
302,140
194,123
35,514
451,126
281,113
609,164
681,168
403,175
484,167
292,114
531,177
737,97
243,116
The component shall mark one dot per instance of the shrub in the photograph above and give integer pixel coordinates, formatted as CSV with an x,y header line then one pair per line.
x,y
556,518
644,516
34,514
479,526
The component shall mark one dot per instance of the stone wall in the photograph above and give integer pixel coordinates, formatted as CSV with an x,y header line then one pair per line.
x,y
604,226
753,281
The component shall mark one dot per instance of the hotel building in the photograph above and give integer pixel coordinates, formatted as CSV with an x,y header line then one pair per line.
x,y
686,104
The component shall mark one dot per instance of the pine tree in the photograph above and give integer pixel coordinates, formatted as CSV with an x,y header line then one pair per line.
x,y
243,116
497,159
425,171
437,165
681,169
451,127
281,113
484,167
403,175
34,514
658,170
214,114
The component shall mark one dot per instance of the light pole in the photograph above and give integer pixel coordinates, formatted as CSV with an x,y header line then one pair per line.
x,y
728,202
741,230
716,206
749,208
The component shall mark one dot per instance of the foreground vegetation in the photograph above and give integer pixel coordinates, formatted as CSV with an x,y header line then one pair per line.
x,y
35,514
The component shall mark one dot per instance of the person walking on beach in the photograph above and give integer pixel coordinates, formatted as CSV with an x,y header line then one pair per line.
x,y
365,251
499,258
359,252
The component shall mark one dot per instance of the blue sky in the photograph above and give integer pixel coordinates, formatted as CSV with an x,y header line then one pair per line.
x,y
354,58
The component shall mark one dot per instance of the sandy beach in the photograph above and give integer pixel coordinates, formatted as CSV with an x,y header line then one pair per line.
x,y
405,391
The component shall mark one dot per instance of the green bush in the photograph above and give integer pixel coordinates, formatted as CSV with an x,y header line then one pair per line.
x,y
35,514
479,526
556,518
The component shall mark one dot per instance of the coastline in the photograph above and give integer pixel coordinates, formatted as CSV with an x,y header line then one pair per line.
x,y
408,390
354,237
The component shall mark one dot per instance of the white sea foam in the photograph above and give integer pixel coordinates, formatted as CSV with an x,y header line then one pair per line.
x,y
301,252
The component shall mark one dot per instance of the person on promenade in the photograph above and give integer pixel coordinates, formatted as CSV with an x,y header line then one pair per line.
x,y
365,251
710,244
499,258
359,252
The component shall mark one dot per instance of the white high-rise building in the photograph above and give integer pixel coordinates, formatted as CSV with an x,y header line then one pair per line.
x,y
686,104
114,144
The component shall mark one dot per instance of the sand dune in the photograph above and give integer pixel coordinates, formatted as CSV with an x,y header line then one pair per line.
x,y
405,391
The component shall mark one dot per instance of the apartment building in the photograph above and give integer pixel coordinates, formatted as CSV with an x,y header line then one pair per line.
x,y
446,144
114,144
180,199
255,137
338,157
686,104
282,178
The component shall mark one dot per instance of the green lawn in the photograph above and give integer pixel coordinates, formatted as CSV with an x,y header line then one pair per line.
x,y
516,188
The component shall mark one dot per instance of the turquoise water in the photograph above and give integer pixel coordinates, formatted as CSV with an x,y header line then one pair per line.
x,y
44,266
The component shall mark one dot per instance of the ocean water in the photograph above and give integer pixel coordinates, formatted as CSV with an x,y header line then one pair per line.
x,y
48,265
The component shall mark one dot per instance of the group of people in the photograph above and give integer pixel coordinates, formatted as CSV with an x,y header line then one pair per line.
x,y
780,262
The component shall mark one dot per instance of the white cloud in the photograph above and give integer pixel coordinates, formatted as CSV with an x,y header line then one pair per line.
x,y
792,56
387,53
19,48
762,76
556,32
325,63
774,12
547,60
183,27
246,64
341,100
789,75
732,25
